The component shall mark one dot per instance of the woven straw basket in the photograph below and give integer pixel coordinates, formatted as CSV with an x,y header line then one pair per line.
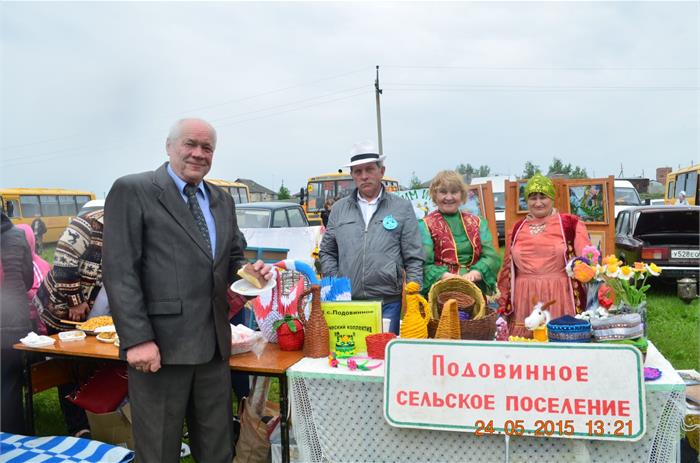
x,y
464,301
457,285
376,344
449,326
482,323
315,328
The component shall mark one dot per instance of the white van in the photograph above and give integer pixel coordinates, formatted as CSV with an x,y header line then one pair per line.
x,y
498,184
626,196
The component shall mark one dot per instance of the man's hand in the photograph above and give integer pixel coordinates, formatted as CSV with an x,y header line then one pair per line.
x,y
473,276
79,313
259,268
144,357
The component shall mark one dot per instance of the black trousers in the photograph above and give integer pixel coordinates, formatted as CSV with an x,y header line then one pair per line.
x,y
12,417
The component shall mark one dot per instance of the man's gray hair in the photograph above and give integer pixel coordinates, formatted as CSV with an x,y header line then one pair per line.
x,y
176,129
379,164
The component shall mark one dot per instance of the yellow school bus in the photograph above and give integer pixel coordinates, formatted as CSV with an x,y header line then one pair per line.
x,y
685,179
239,191
334,185
54,206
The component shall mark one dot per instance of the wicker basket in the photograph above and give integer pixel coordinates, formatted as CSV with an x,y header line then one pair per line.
x,y
464,301
481,329
376,344
316,343
459,285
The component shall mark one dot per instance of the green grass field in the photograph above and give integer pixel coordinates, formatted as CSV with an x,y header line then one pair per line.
x,y
674,327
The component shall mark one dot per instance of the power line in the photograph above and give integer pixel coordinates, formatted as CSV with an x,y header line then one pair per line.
x,y
287,104
250,97
364,92
270,92
34,161
548,68
90,147
452,87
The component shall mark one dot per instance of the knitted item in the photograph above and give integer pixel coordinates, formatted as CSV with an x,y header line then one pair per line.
x,y
448,328
415,323
569,329
617,327
266,326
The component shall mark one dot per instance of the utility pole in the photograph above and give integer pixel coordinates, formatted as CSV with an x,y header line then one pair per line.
x,y
377,92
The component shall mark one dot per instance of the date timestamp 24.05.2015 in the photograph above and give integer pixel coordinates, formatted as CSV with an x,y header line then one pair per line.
x,y
548,428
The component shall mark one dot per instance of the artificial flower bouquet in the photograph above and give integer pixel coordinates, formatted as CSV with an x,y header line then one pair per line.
x,y
624,288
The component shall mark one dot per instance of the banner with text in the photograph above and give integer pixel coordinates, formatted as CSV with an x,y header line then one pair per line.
x,y
349,323
580,391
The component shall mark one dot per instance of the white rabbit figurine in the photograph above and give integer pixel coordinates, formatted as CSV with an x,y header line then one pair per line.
x,y
539,316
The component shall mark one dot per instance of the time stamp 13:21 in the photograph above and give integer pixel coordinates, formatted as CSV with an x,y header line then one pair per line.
x,y
548,428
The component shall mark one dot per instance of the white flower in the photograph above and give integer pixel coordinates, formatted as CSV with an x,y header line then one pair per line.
x,y
653,269
625,273
612,271
600,272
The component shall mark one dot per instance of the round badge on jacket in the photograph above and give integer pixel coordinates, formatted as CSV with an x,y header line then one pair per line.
x,y
390,223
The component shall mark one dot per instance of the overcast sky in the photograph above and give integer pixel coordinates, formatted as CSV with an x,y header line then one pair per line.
x,y
89,90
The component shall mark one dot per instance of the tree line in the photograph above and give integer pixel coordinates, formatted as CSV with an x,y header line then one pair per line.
x,y
557,167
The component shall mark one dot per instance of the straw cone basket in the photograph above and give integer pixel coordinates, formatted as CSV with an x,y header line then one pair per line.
x,y
449,328
315,328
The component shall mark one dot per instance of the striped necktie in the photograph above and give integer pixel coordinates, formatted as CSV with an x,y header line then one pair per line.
x,y
191,193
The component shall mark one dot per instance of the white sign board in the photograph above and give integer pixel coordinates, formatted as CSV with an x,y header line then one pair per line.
x,y
300,241
581,391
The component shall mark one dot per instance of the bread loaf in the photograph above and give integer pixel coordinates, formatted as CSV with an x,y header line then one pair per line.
x,y
254,280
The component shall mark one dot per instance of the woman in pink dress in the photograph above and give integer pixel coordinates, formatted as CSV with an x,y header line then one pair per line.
x,y
534,266
41,269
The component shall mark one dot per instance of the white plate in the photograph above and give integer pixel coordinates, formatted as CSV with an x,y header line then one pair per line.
x,y
243,287
108,341
105,329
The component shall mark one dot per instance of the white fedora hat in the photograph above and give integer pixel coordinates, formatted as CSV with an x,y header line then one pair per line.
x,y
363,153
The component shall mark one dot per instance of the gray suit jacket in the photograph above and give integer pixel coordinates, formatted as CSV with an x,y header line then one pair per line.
x,y
161,281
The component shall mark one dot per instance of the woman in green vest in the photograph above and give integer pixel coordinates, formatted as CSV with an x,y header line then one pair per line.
x,y
457,243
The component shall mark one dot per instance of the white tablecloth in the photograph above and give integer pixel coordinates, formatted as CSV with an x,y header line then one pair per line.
x,y
337,416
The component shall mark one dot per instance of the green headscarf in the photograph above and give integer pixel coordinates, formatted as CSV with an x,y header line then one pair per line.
x,y
540,184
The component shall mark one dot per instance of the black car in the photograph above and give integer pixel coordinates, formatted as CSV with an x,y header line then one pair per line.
x,y
270,215
668,236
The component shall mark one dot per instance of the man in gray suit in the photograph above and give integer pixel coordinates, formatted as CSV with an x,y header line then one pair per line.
x,y
171,248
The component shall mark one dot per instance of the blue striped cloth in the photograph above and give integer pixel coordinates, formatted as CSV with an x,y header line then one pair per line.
x,y
59,449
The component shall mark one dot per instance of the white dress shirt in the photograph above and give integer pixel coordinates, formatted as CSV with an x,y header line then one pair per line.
x,y
368,208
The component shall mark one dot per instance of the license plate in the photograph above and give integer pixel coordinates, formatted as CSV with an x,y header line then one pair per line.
x,y
685,254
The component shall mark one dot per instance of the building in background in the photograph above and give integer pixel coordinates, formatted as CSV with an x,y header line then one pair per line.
x,y
661,173
258,192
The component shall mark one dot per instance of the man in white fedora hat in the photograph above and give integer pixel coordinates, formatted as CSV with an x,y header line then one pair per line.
x,y
372,237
